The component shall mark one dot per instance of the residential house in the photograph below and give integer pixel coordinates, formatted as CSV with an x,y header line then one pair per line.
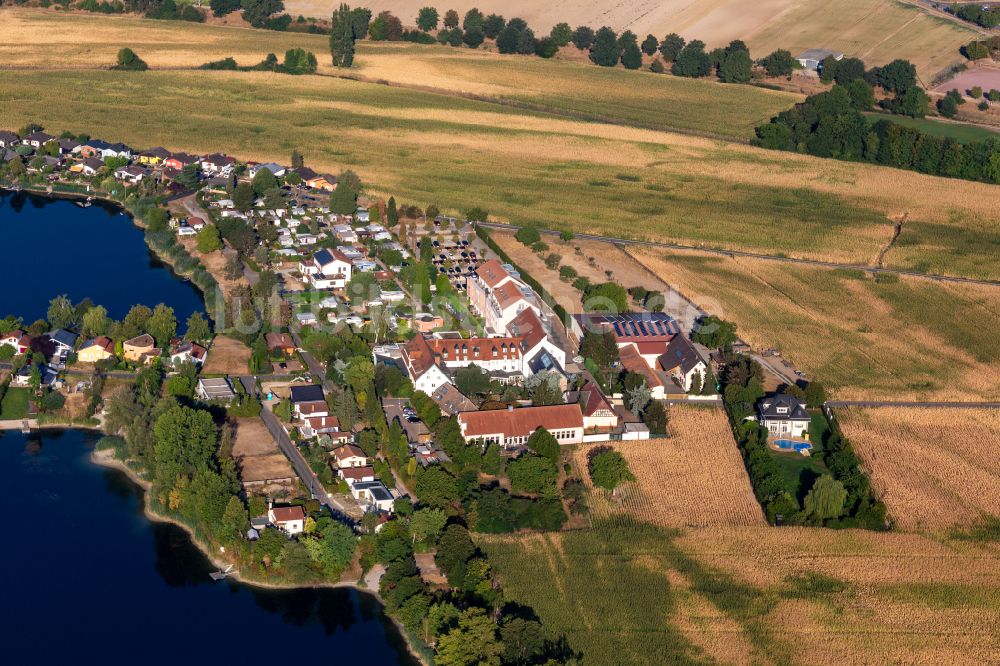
x,y
196,223
451,400
69,146
178,161
97,349
510,428
316,181
132,173
313,426
154,157
289,519
784,416
308,401
660,384
275,169
140,349
306,318
349,455
598,412
328,269
217,164
18,339
498,295
374,494
281,343
215,388
8,139
62,343
421,366
538,350
103,150
356,474
425,322
37,139
345,233
361,215
88,167
188,351
811,59
683,362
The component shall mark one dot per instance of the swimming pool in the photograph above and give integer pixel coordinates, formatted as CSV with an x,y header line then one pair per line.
x,y
792,445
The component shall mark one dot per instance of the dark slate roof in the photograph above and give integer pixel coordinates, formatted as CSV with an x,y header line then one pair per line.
x,y
64,337
680,354
311,393
794,409
6,135
376,488
98,144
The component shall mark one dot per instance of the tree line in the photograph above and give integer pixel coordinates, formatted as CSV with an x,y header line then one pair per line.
x,y
832,124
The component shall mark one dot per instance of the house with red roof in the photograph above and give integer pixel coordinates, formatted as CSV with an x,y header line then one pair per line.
x,y
510,428
289,519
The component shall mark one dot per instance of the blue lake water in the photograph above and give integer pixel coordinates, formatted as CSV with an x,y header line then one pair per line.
x,y
52,247
88,579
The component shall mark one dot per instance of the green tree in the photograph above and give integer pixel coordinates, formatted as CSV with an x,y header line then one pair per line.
x,y
671,46
197,328
222,7
650,45
235,521
631,56
436,487
779,63
96,322
185,443
426,524
454,549
826,498
473,641
736,67
342,37
392,214
605,51
655,418
528,234
257,12
493,25
162,325
386,27
451,19
533,474
472,380
561,34
544,444
524,641
473,20
344,199
61,313
156,219
608,468
427,19
473,38
714,332
583,37
243,197
606,297
263,181
692,61
208,239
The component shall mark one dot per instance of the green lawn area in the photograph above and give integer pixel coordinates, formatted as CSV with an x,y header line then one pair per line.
x,y
960,132
15,404
800,471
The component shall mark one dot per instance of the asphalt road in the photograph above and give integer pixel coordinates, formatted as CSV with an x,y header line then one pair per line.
x,y
755,255
303,470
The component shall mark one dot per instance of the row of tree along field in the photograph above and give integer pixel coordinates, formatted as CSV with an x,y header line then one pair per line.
x,y
834,124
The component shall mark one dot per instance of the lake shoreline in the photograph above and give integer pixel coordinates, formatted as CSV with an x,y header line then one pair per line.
x,y
106,458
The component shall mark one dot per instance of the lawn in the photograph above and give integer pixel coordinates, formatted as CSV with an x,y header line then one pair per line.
x,y
959,131
15,403
911,340
799,471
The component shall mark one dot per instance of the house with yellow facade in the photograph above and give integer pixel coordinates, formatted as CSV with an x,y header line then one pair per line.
x,y
96,350
140,349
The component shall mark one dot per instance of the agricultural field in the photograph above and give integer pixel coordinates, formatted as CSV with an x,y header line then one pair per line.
x,y
876,30
757,594
694,478
522,165
958,131
935,469
911,340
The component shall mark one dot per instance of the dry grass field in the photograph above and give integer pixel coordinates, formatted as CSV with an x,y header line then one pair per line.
x,y
257,456
936,469
694,478
758,594
876,30
524,166
227,356
916,339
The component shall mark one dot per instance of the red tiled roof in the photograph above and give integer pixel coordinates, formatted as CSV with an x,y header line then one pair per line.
x,y
283,514
633,362
323,422
278,341
593,399
357,473
522,421
507,294
347,451
528,327
492,273
475,349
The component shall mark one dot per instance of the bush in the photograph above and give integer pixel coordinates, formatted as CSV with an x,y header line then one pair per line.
x,y
128,61
528,235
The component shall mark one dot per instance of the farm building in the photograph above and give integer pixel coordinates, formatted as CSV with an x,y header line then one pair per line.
x,y
810,59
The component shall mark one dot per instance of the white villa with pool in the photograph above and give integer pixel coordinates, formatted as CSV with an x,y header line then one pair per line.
x,y
784,416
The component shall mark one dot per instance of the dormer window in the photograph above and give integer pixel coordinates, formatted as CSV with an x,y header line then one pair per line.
x,y
495,352
782,410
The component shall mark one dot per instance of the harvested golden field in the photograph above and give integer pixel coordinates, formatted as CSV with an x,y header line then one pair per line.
x,y
876,30
934,468
551,168
757,594
912,340
694,478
